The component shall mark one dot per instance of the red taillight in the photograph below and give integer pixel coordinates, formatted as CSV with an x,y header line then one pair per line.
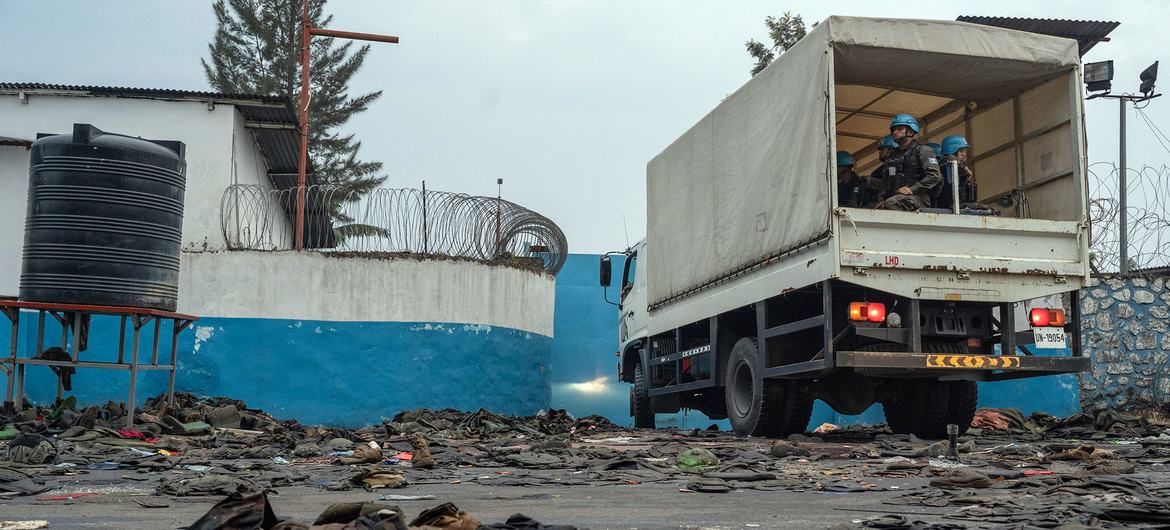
x,y
1043,317
873,311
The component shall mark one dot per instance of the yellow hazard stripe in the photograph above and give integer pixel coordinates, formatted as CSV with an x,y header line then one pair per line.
x,y
1003,362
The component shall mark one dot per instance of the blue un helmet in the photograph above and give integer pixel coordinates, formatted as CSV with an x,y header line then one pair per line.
x,y
844,159
887,142
952,144
907,120
936,147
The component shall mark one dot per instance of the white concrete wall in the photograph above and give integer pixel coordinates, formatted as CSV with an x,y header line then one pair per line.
x,y
13,201
314,286
208,135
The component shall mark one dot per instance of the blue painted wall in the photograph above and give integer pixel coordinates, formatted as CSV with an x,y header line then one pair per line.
x,y
584,369
336,373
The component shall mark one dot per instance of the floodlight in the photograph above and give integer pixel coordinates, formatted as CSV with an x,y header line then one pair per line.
x,y
1148,77
1099,76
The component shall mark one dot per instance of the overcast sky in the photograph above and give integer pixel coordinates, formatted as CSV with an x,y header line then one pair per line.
x,y
566,100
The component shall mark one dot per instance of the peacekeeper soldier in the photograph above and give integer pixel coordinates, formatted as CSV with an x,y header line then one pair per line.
x,y
955,149
885,150
911,172
853,190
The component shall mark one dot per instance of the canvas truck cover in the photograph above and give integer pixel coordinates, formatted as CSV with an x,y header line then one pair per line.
x,y
751,182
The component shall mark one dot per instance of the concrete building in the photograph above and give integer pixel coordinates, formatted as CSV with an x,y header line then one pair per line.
x,y
307,335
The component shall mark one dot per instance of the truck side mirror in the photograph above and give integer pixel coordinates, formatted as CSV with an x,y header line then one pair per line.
x,y
606,271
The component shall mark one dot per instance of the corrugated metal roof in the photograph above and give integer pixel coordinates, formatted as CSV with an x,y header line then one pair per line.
x,y
1086,32
272,119
129,92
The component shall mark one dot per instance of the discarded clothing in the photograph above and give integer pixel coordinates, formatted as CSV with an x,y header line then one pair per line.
x,y
522,522
374,478
694,460
962,478
238,512
31,448
17,481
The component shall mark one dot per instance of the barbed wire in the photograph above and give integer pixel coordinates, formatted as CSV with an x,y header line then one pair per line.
x,y
389,220
1148,190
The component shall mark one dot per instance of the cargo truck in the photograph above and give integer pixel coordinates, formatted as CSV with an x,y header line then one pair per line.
x,y
755,293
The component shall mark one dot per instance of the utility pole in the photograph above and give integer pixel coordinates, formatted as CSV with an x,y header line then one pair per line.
x,y
1098,76
307,33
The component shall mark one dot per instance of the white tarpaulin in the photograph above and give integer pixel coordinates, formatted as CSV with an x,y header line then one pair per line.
x,y
752,180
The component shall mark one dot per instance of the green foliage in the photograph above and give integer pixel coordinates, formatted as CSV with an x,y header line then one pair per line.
x,y
256,50
784,31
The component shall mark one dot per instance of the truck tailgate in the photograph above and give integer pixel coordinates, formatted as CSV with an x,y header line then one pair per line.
x,y
960,257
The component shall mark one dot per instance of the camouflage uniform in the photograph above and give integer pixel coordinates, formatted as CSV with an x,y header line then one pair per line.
x,y
857,191
915,167
968,191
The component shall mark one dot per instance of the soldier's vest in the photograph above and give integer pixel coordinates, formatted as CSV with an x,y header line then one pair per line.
x,y
904,167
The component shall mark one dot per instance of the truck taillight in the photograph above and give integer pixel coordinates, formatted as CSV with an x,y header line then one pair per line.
x,y
872,311
1042,317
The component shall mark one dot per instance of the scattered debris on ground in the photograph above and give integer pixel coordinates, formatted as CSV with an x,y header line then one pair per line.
x,y
1104,470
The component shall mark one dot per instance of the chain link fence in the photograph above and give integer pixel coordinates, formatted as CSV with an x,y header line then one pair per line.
x,y
397,221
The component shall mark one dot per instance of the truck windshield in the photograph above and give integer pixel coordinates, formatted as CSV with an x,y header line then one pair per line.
x,y
628,272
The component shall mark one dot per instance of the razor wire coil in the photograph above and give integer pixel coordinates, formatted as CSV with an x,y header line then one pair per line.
x,y
391,220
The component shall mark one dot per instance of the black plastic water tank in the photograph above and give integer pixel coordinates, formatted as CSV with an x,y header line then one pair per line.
x,y
105,220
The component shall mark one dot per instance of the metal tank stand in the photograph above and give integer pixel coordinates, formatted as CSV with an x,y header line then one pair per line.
x,y
73,318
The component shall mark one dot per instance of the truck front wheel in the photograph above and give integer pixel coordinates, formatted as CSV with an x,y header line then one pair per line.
x,y
759,406
640,406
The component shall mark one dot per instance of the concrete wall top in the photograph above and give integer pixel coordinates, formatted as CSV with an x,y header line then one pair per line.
x,y
212,162
316,286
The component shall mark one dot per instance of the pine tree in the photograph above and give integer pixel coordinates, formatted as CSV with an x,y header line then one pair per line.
x,y
784,32
256,50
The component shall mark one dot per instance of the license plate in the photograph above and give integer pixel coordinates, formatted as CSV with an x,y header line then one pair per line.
x,y
1049,338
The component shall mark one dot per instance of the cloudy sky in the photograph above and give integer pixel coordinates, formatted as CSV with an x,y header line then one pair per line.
x,y
565,100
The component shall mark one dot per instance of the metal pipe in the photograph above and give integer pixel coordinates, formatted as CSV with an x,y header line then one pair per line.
x,y
303,111
352,34
307,32
955,186
1124,243
424,217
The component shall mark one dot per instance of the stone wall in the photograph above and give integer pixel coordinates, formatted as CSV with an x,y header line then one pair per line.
x,y
1124,327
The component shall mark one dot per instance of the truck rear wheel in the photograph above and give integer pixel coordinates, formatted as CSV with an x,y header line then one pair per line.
x,y
640,406
920,407
963,400
759,406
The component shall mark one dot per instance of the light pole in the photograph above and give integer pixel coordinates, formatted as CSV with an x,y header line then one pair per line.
x,y
1098,77
307,33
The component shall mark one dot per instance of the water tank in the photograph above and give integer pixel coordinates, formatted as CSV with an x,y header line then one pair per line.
x,y
105,218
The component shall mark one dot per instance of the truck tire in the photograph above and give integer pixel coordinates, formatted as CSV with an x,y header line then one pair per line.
x,y
791,411
921,407
963,400
640,406
744,387
758,406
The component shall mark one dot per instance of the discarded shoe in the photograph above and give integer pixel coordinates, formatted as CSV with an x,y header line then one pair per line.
x,y
420,453
781,449
444,517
